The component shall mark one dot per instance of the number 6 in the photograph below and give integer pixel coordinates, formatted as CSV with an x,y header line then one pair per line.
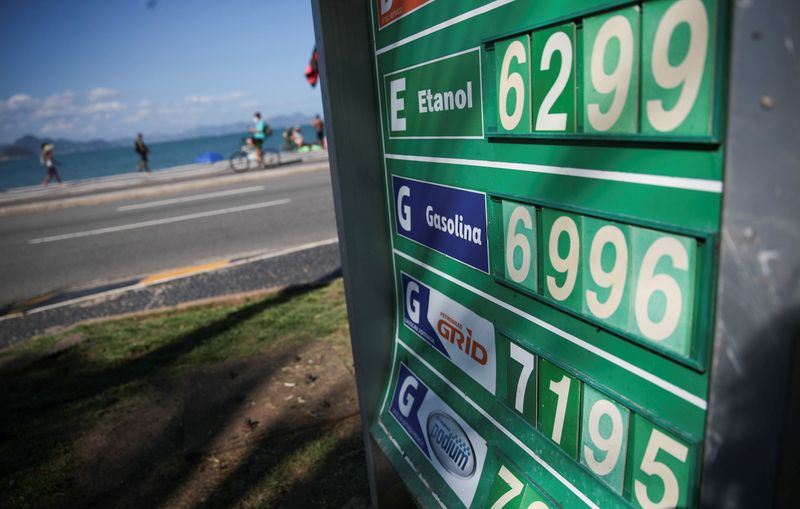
x,y
516,241
512,81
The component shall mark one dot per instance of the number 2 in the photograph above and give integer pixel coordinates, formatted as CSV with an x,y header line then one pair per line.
x,y
546,121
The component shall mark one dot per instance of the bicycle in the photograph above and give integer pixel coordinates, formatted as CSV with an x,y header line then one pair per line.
x,y
242,160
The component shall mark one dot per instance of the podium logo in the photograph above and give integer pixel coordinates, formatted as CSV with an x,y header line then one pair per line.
x,y
450,445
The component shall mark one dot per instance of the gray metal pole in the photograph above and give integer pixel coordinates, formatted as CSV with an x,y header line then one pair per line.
x,y
751,449
350,103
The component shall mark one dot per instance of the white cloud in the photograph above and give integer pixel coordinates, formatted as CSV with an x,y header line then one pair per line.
x,y
20,102
102,94
104,107
103,111
57,105
60,126
216,99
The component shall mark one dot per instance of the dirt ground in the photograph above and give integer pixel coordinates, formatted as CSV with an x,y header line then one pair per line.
x,y
276,429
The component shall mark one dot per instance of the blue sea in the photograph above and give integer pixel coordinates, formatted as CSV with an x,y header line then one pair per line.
x,y
114,161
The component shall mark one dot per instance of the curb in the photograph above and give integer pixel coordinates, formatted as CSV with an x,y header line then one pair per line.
x,y
52,300
156,189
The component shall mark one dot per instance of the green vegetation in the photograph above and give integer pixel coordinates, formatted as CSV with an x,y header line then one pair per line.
x,y
245,404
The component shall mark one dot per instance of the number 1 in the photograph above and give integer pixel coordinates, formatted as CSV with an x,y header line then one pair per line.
x,y
562,391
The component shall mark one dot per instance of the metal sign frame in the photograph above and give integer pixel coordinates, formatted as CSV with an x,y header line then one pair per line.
x,y
749,454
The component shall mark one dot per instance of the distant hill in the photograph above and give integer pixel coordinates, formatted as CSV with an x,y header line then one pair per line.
x,y
277,122
29,145
287,120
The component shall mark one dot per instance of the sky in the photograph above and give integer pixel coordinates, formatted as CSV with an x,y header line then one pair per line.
x,y
111,68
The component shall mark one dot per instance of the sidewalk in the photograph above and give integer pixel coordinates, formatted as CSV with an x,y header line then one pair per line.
x,y
141,185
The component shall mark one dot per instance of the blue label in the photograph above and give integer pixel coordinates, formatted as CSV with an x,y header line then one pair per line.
x,y
415,316
446,219
408,397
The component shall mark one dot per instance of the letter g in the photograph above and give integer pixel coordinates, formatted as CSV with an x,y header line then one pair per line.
x,y
406,400
412,304
404,211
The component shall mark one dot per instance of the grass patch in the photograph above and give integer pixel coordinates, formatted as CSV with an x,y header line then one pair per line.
x,y
117,413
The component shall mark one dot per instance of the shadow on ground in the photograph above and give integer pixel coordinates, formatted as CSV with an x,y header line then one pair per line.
x,y
182,423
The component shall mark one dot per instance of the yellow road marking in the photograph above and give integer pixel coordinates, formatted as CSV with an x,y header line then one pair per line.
x,y
22,306
183,271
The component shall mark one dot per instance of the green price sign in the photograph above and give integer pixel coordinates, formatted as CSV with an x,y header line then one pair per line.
x,y
558,357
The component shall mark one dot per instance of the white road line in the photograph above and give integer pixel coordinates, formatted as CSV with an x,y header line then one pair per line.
x,y
285,251
691,184
184,199
563,480
136,286
156,222
444,24
622,363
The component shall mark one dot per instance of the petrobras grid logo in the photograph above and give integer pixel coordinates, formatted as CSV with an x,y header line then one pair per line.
x,y
456,332
446,219
455,450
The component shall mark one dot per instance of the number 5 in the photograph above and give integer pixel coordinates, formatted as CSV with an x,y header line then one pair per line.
x,y
660,441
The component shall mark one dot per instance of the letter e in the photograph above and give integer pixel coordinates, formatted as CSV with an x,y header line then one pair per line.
x,y
397,104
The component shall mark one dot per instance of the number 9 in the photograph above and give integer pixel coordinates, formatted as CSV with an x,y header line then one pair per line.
x,y
619,80
612,444
688,73
563,224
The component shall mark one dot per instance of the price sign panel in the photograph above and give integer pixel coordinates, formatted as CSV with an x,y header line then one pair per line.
x,y
553,176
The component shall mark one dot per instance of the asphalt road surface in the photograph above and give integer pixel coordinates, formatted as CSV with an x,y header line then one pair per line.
x,y
85,246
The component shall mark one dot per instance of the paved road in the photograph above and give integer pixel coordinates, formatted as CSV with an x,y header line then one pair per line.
x,y
83,246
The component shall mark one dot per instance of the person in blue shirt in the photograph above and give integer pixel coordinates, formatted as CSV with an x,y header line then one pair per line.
x,y
259,133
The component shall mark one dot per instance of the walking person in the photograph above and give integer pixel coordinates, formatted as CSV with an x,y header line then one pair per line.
x,y
141,149
319,126
49,162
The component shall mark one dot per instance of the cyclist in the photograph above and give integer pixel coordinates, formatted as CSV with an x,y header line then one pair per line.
x,y
260,131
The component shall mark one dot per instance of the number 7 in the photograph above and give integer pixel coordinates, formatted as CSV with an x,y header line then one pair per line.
x,y
526,359
515,488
